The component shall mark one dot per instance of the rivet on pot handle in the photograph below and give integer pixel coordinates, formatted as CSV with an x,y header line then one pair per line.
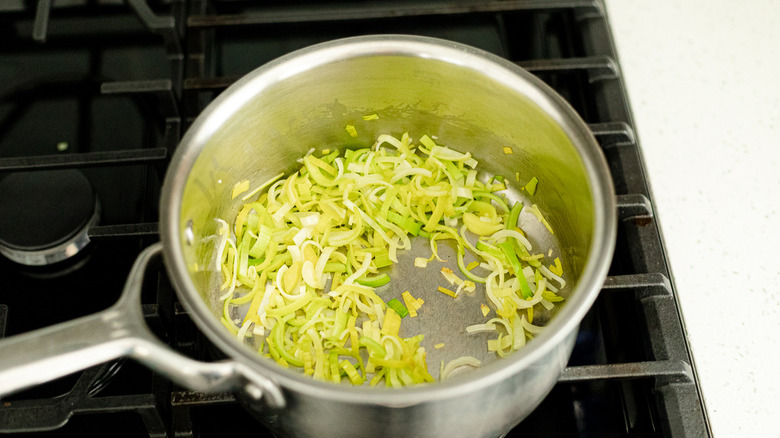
x,y
46,354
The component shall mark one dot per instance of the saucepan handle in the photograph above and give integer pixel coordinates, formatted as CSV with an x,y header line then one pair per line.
x,y
46,354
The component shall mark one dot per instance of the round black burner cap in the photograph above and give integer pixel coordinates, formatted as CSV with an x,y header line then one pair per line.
x,y
42,210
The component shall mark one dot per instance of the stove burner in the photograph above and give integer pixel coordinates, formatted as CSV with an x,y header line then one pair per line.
x,y
45,215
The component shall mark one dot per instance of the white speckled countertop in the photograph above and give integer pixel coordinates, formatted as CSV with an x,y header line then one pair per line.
x,y
703,79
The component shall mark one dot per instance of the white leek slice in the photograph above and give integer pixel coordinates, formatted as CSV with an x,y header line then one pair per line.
x,y
479,328
549,274
513,234
462,361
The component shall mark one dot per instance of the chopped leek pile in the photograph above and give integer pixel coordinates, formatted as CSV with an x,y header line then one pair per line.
x,y
304,255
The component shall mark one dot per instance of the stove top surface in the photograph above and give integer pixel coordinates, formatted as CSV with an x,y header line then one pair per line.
x,y
116,83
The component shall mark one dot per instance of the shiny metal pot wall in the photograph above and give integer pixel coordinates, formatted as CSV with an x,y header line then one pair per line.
x,y
472,101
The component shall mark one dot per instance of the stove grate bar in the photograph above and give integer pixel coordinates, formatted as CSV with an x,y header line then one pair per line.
x,y
83,160
54,413
656,303
163,25
160,88
3,319
147,229
41,23
610,134
634,206
378,11
204,84
649,284
597,67
682,398
663,370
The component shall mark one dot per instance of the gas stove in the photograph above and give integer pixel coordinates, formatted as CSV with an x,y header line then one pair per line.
x,y
94,98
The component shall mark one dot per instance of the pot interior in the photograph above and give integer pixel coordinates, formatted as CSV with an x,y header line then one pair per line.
x,y
275,115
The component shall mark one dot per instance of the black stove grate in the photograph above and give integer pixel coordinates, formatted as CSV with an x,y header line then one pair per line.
x,y
115,83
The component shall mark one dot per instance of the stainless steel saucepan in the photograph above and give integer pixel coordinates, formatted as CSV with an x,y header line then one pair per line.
x,y
472,101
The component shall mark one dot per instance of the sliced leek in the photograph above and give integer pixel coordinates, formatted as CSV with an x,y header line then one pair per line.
x,y
304,257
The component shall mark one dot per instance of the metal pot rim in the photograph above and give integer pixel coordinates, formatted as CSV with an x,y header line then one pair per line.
x,y
499,69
